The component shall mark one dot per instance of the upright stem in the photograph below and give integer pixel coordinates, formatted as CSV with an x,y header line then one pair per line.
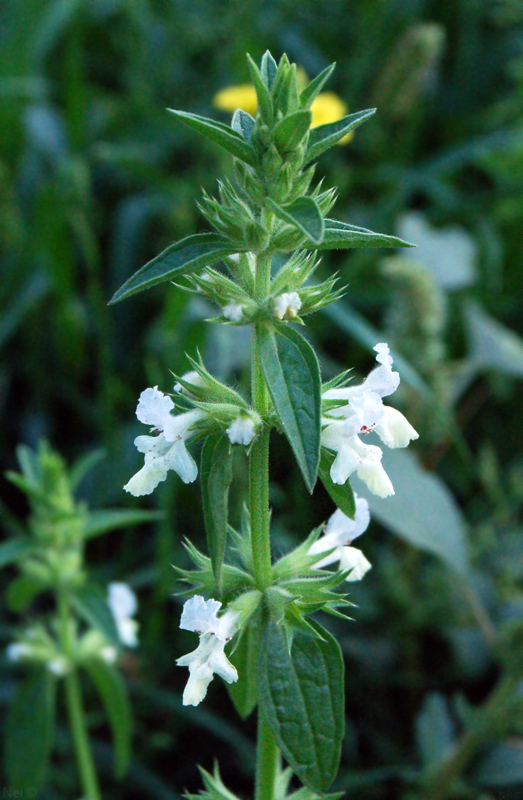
x,y
75,710
267,758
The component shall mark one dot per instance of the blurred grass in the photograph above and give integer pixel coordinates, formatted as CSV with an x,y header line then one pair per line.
x,y
96,178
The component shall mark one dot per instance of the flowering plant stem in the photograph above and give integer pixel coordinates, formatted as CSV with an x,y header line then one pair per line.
x,y
75,710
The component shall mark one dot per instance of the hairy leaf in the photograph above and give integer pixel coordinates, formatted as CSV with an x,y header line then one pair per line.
x,y
216,477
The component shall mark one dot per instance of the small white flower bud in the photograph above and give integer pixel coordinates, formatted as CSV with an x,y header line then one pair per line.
x,y
242,430
233,312
287,305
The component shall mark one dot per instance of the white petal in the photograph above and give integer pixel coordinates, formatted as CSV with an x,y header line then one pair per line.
x,y
220,664
370,469
233,312
181,461
197,685
242,430
395,430
381,380
121,599
109,654
154,407
384,356
146,480
191,377
353,559
346,529
321,545
179,426
368,408
17,650
200,615
345,463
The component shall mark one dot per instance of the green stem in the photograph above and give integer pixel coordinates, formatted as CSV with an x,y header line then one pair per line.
x,y
267,762
267,758
75,710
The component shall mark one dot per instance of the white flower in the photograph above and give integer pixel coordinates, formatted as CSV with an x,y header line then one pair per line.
x,y
242,430
364,412
287,305
233,312
201,616
17,651
123,604
166,451
58,666
109,654
191,377
340,530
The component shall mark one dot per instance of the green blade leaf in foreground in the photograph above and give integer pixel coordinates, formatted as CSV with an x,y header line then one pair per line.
x,y
29,732
311,91
324,137
292,373
216,477
188,255
301,697
291,129
220,134
91,604
113,694
303,214
341,235
343,496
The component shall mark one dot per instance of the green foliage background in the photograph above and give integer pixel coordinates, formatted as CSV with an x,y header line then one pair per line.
x,y
96,178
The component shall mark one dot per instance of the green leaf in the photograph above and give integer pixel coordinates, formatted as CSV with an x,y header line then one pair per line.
x,y
245,657
291,129
311,91
268,69
265,108
220,134
435,735
216,477
100,522
13,550
492,345
343,496
304,214
292,374
29,731
22,591
191,254
422,511
341,235
502,766
113,693
243,123
324,137
301,697
90,602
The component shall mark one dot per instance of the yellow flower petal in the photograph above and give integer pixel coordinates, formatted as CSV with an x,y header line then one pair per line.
x,y
234,97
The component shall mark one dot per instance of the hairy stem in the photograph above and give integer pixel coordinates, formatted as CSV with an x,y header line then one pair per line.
x,y
267,759
75,710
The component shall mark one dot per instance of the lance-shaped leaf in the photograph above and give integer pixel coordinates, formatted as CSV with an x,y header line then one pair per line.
x,y
191,254
292,373
216,477
245,658
311,91
265,107
91,604
243,123
220,134
14,550
291,129
29,732
268,69
113,694
303,214
323,137
341,236
343,495
301,697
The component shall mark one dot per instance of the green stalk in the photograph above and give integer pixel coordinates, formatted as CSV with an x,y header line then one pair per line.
x,y
75,710
267,758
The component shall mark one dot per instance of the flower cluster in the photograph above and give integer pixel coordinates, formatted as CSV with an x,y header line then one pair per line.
x,y
339,532
363,412
201,617
167,450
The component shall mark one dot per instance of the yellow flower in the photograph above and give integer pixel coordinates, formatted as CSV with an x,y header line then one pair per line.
x,y
327,107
